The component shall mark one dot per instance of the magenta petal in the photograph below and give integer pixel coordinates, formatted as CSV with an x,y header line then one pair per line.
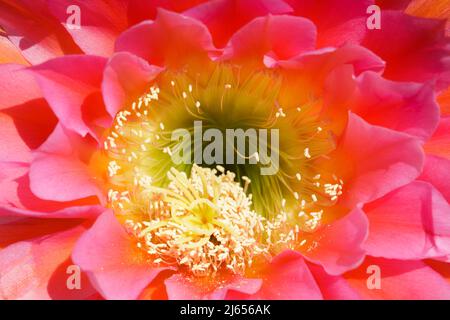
x,y
17,86
57,171
339,86
338,22
330,13
16,198
72,212
171,40
126,77
101,23
319,63
9,173
29,25
243,287
437,172
15,229
140,10
233,14
406,107
376,160
420,52
338,246
34,121
60,178
282,37
410,223
439,143
36,268
112,260
333,287
400,280
179,287
393,4
12,147
60,142
287,277
67,84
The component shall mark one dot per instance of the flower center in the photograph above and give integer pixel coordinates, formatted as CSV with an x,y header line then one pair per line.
x,y
202,223
204,220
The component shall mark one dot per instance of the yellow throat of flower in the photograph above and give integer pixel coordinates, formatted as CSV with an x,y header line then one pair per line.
x,y
213,218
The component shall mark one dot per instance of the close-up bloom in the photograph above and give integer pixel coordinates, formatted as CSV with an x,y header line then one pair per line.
x,y
224,149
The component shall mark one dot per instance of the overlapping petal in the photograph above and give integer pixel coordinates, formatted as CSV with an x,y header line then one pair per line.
x,y
176,39
115,266
58,172
288,277
234,14
400,280
36,268
278,37
400,228
421,50
31,28
338,247
70,85
374,167
125,77
405,107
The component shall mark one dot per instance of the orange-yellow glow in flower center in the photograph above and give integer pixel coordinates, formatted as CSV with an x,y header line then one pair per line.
x,y
219,217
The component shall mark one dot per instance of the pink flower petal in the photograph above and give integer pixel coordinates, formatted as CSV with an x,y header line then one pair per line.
x,y
9,174
17,86
420,52
126,77
280,37
319,63
373,167
61,142
439,144
72,211
339,87
327,14
64,142
34,121
21,99
288,278
437,172
338,22
333,287
114,264
441,266
10,53
337,247
171,40
12,147
29,25
36,268
140,10
410,223
15,229
67,84
57,171
61,179
406,107
351,31
400,280
16,198
179,287
233,14
393,4
101,23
